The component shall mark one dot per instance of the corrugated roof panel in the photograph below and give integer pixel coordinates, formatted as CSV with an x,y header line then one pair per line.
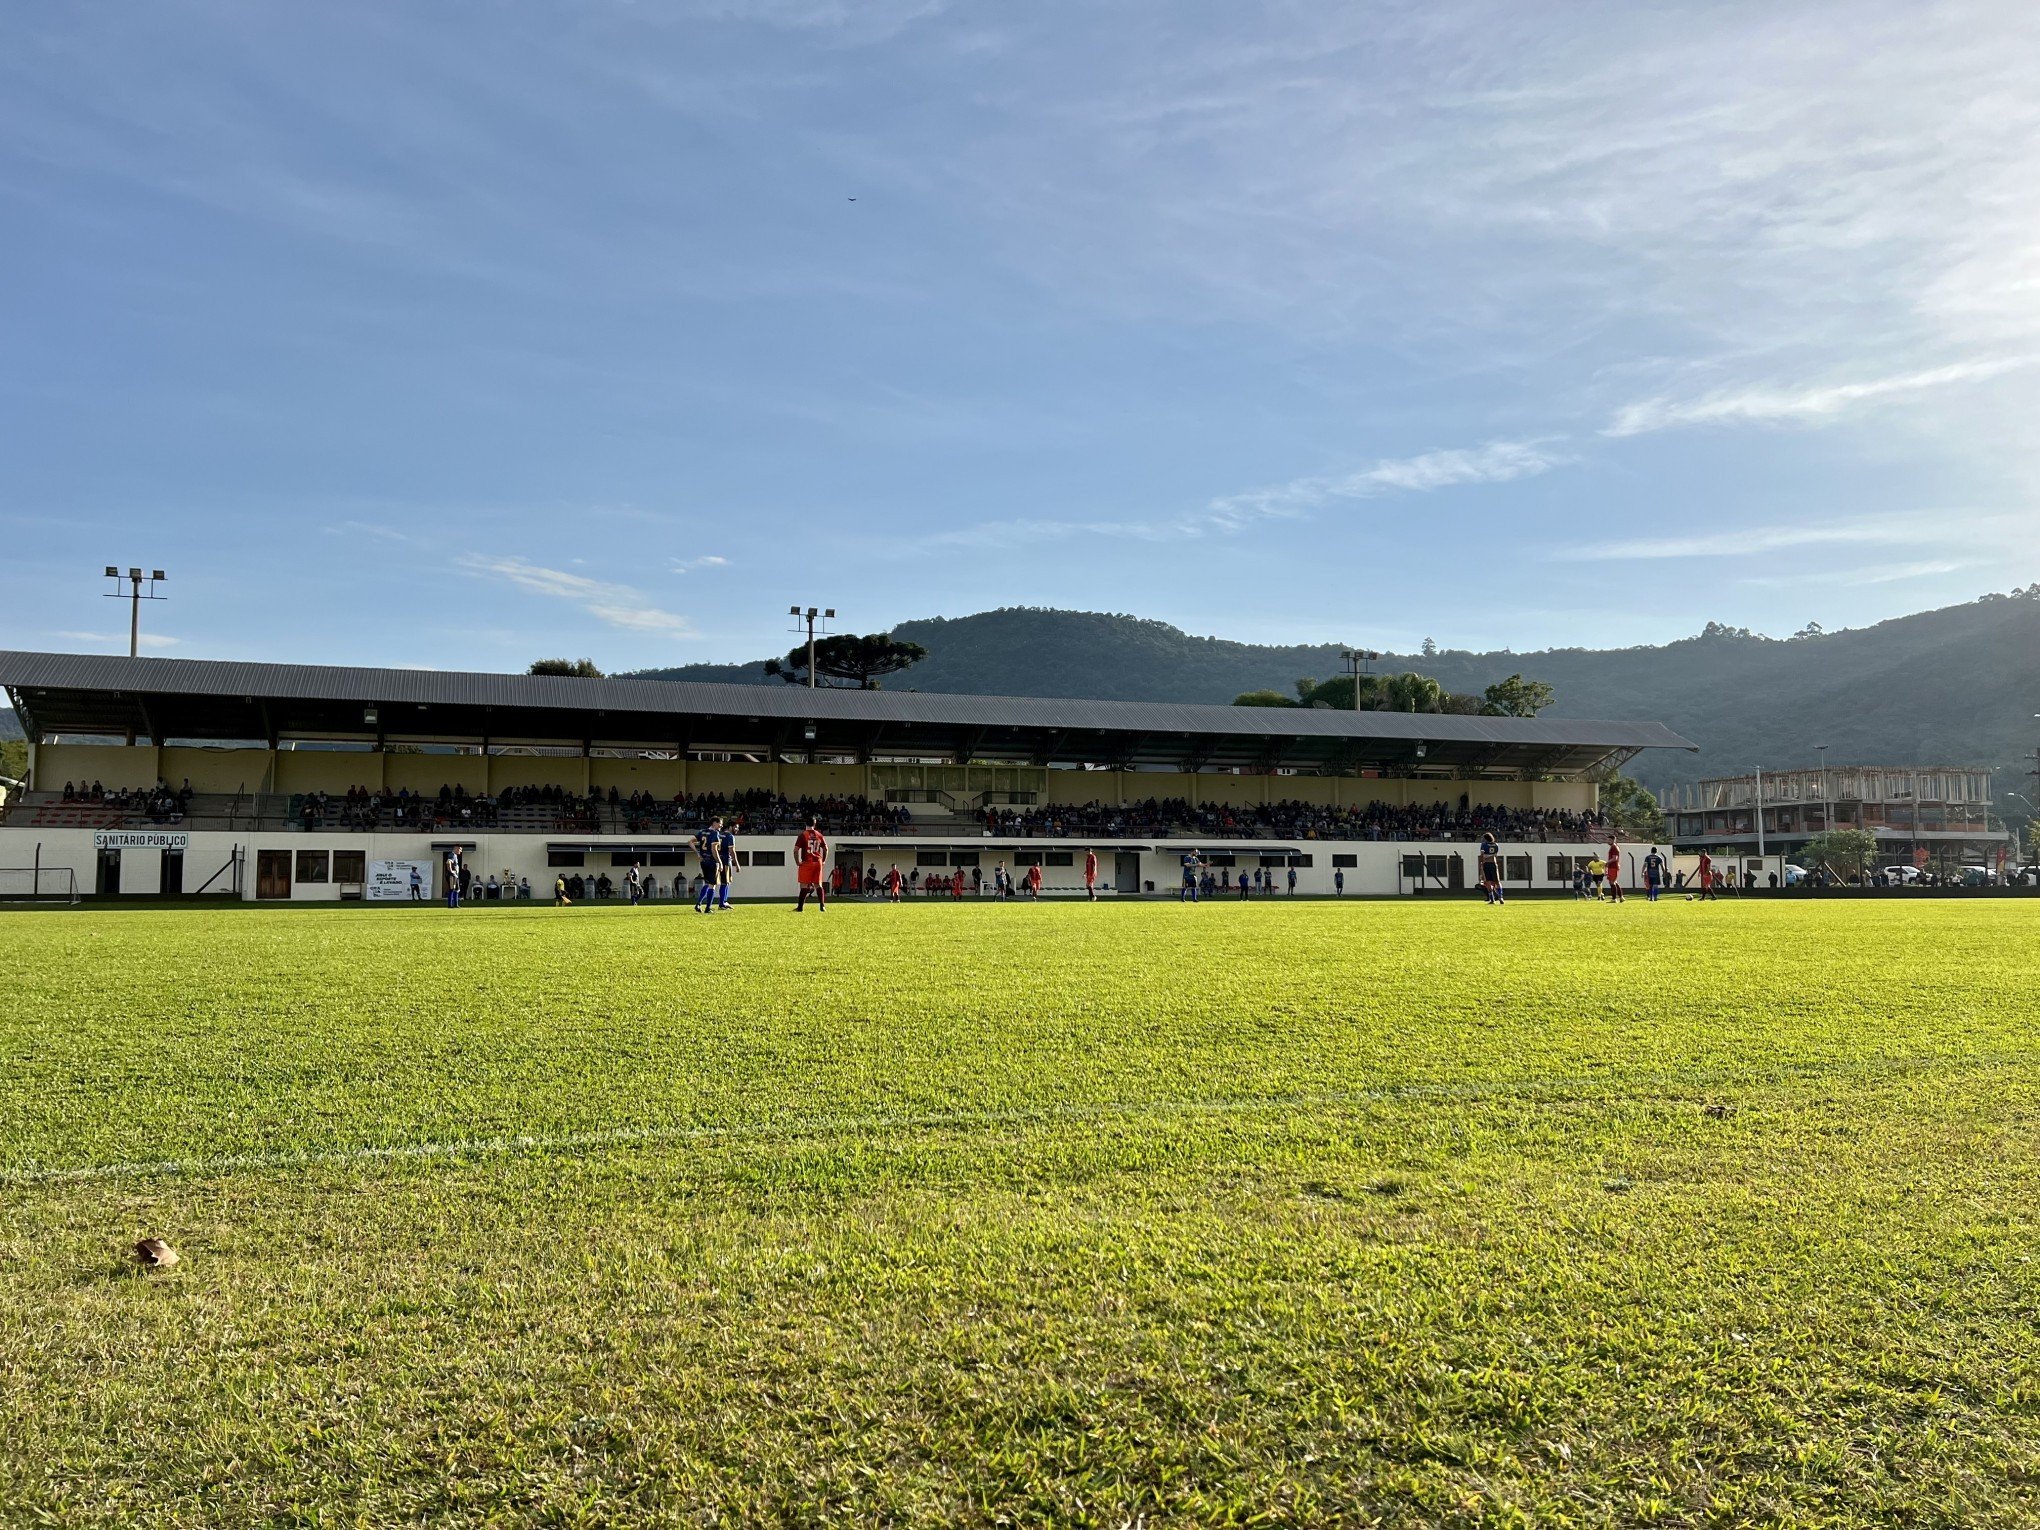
x,y
104,674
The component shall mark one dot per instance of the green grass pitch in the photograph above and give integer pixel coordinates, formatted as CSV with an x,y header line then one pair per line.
x,y
1309,1213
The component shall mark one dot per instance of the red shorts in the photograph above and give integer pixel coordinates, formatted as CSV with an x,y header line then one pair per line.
x,y
811,873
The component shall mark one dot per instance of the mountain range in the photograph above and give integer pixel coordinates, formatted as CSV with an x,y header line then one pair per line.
x,y
1955,686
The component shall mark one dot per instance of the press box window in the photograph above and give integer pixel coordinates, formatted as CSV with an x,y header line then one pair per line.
x,y
312,864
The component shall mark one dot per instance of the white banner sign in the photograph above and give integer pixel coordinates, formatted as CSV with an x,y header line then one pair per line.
x,y
139,839
390,881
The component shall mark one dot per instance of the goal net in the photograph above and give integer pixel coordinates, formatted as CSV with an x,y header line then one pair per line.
x,y
26,884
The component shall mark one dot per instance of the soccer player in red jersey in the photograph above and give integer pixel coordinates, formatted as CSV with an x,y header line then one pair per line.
x,y
1034,880
1614,859
810,850
1091,875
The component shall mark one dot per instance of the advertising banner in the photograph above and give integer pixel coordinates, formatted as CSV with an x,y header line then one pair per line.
x,y
140,839
390,881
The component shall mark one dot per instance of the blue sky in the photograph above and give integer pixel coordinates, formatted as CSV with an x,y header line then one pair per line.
x,y
454,335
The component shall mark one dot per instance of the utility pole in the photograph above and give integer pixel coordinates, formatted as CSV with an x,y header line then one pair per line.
x,y
809,615
1760,811
134,597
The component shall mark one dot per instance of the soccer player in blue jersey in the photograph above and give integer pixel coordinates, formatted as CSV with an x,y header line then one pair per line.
x,y
1491,870
1653,874
1190,869
726,848
708,845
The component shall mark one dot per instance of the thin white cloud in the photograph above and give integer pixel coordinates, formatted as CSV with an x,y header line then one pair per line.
x,y
1495,462
614,605
1894,573
688,565
1750,540
367,529
1798,405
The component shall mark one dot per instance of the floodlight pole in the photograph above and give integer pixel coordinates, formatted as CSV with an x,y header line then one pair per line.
x,y
134,597
809,615
1356,659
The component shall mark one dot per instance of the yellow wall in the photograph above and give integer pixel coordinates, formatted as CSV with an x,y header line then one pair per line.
x,y
300,770
110,765
659,777
326,770
569,771
217,770
426,773
823,781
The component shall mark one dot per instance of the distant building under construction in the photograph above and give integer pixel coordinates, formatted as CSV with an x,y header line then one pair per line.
x,y
1936,816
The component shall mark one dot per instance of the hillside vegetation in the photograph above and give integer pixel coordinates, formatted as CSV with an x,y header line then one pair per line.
x,y
1957,685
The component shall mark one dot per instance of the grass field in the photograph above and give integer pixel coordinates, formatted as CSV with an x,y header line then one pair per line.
x,y
1315,1213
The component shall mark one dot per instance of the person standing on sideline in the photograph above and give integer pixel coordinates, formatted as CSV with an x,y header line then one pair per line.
x,y
1490,869
1292,881
1706,875
1653,874
708,845
417,885
453,870
1091,875
1339,883
1614,860
633,886
726,860
1243,884
810,850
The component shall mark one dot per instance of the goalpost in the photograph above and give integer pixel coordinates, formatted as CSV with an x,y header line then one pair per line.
x,y
32,884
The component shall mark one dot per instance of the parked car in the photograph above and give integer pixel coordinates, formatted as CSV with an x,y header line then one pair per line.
x,y
1902,874
1794,875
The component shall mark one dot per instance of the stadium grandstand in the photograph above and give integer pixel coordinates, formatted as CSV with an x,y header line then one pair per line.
x,y
152,776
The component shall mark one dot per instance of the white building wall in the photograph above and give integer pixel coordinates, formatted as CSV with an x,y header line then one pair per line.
x,y
1376,868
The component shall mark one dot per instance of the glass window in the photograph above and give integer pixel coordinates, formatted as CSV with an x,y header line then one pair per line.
x,y
1061,858
1027,858
963,858
1558,868
1304,860
311,865
350,865
1341,862
1413,867
764,858
930,858
1515,868
566,858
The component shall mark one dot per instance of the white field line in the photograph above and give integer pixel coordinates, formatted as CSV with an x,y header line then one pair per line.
x,y
1551,1089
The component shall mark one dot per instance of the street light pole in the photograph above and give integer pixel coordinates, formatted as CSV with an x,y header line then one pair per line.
x,y
1357,659
1760,810
1827,812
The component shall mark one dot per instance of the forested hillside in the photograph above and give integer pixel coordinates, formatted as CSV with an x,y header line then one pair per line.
x,y
1957,685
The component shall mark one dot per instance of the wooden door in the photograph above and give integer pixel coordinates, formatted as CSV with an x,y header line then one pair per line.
x,y
272,873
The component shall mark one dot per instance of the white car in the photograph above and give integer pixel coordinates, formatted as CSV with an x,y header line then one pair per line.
x,y
1901,874
1794,875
